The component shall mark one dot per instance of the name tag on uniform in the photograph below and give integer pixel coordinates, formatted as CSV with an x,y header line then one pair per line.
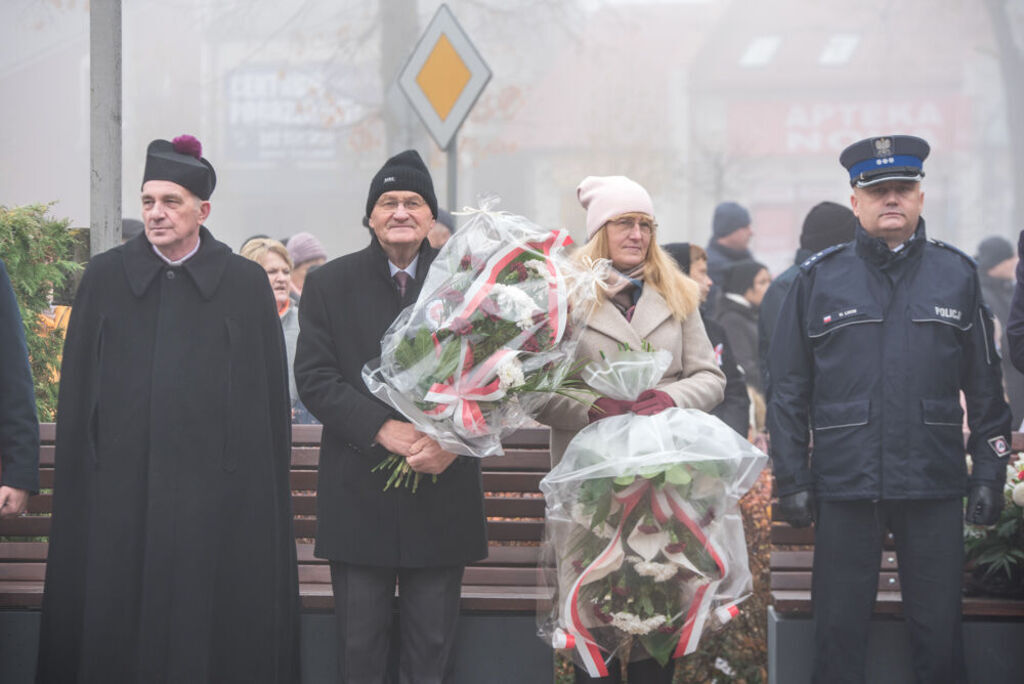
x,y
838,315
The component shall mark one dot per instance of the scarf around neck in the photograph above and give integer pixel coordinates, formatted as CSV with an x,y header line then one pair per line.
x,y
624,289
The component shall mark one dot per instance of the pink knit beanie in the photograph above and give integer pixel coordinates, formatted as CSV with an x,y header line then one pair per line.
x,y
605,197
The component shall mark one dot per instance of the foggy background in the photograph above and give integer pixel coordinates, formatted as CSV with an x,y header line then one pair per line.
x,y
700,101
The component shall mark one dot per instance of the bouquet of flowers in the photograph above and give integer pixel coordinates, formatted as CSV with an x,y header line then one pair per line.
x,y
643,525
996,554
491,335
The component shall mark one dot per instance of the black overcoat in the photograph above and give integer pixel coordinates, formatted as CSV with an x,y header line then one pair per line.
x,y
19,429
347,305
172,557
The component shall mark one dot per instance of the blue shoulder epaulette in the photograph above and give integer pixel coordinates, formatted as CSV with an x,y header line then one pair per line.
x,y
955,250
815,258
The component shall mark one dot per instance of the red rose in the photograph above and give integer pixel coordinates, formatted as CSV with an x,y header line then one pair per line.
x,y
461,326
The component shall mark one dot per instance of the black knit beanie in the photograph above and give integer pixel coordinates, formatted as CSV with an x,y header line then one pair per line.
x,y
729,217
680,251
405,171
827,224
740,277
993,251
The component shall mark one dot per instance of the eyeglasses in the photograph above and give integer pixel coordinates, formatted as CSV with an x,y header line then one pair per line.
x,y
624,224
410,204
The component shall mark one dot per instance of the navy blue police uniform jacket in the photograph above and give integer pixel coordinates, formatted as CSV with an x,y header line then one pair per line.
x,y
871,350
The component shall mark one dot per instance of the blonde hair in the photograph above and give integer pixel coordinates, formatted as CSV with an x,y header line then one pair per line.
x,y
257,248
660,272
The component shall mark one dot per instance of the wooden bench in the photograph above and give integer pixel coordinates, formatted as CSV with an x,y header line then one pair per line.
x,y
499,594
989,623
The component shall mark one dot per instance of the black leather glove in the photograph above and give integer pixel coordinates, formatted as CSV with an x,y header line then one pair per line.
x,y
984,504
797,509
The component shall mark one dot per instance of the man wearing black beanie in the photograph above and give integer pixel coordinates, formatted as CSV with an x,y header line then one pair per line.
x,y
825,225
371,537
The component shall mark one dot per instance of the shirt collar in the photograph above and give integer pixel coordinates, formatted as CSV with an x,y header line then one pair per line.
x,y
410,269
177,262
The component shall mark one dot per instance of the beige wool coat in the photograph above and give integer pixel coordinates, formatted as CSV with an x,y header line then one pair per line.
x,y
693,380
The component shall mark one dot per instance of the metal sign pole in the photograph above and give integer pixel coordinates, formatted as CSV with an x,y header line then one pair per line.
x,y
453,172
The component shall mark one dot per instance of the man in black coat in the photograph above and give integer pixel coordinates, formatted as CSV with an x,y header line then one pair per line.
x,y
19,428
172,555
874,343
373,537
825,225
734,410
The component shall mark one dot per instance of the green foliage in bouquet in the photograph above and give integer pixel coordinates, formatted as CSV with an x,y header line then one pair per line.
x,y
37,250
995,554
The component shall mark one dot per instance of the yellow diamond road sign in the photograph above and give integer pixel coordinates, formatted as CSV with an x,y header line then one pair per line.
x,y
443,77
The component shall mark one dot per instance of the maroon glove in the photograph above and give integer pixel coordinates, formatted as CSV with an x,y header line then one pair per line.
x,y
605,406
651,402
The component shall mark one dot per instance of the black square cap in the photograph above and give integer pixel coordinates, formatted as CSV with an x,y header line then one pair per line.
x,y
887,157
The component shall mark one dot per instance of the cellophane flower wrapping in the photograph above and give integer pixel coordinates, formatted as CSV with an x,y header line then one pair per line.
x,y
491,335
644,539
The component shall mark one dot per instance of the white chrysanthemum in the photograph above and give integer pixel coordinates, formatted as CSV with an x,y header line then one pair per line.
x,y
515,305
510,374
1018,494
659,571
633,624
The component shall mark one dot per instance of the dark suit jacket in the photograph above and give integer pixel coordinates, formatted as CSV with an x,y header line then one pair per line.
x,y
347,305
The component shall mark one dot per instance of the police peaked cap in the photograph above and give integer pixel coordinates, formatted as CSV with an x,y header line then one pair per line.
x,y
890,157
180,162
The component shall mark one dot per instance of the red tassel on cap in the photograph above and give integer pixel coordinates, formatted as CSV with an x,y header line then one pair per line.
x,y
187,144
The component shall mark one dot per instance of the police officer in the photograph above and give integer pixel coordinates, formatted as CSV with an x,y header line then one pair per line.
x,y
873,345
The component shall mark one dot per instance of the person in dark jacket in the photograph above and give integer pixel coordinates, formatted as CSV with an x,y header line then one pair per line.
x,y
874,343
997,263
737,312
172,554
734,410
19,428
731,233
373,537
825,225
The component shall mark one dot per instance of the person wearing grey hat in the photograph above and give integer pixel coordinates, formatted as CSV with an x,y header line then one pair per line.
x,y
172,554
731,234
874,345
373,538
307,254
443,229
997,263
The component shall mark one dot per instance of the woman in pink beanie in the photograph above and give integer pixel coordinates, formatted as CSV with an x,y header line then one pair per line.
x,y
648,299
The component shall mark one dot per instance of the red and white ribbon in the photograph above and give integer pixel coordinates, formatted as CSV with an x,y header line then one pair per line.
x,y
666,503
469,385
488,278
